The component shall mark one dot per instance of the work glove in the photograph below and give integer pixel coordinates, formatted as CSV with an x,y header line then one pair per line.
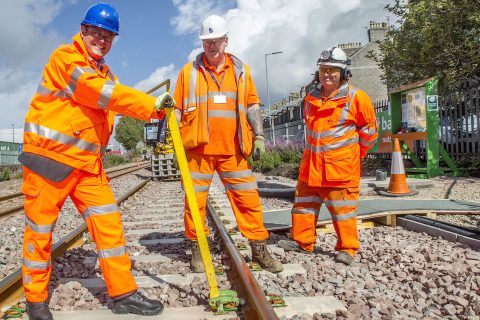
x,y
165,100
258,148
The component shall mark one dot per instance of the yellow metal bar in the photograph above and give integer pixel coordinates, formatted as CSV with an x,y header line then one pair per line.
x,y
192,202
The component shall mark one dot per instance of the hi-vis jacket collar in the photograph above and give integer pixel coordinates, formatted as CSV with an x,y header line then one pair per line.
x,y
340,93
237,63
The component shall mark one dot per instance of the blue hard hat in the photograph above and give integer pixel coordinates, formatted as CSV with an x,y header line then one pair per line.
x,y
104,16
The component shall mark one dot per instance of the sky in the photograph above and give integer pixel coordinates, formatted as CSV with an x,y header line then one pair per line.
x,y
157,37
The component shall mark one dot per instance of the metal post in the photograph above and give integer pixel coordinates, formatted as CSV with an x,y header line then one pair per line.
x,y
13,132
272,126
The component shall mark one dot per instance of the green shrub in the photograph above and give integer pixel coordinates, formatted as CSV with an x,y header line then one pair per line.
x,y
5,174
112,160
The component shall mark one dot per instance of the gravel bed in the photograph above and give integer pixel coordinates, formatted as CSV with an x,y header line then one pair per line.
x,y
82,262
12,226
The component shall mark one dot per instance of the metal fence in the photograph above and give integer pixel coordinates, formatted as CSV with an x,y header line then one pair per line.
x,y
459,129
460,120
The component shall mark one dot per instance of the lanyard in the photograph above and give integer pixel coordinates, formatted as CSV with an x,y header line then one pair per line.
x,y
215,79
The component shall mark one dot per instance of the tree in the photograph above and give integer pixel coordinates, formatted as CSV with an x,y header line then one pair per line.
x,y
434,38
129,131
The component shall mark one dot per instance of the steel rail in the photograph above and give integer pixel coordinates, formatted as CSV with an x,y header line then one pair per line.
x,y
112,174
11,286
258,306
435,228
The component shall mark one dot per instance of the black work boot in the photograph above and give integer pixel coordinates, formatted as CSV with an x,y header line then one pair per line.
x,y
290,245
344,257
137,303
38,311
196,263
263,257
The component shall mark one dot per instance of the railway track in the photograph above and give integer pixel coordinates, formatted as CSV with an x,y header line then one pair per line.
x,y
153,223
17,197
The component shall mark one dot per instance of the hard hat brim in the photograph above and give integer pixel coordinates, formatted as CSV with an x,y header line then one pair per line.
x,y
333,64
96,24
212,36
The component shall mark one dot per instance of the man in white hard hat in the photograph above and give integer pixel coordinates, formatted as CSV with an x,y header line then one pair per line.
x,y
221,126
341,127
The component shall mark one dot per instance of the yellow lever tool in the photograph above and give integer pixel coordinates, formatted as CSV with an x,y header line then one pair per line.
x,y
192,202
220,300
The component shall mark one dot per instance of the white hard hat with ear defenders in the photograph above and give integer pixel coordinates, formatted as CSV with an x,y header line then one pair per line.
x,y
333,57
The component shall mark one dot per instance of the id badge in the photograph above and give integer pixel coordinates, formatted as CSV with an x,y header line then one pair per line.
x,y
220,99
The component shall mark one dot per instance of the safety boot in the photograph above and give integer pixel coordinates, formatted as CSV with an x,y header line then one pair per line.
x,y
344,257
263,257
38,311
137,303
196,263
290,245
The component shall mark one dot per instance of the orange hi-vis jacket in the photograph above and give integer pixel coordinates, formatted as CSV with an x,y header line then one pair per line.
x,y
71,116
194,123
340,130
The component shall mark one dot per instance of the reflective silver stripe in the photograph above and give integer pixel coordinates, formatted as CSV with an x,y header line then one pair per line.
x,y
55,93
341,203
241,108
343,217
228,94
76,74
39,228
342,92
30,248
115,252
201,188
60,137
35,264
369,131
199,99
106,94
332,146
241,186
192,100
397,163
222,114
346,108
103,209
236,174
27,279
308,199
367,143
305,211
337,132
103,149
201,176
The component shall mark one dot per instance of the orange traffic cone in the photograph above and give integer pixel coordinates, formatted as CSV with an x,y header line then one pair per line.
x,y
398,180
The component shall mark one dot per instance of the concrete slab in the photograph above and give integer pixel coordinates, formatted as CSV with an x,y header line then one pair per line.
x,y
142,281
281,219
309,305
162,229
289,269
150,223
191,313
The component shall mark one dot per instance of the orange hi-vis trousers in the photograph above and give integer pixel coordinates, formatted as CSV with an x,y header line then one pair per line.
x,y
342,205
94,199
240,186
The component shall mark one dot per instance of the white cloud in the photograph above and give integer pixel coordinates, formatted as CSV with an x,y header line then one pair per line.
x,y
24,40
158,76
16,90
301,29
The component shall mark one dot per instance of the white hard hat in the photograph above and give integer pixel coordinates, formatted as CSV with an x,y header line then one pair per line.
x,y
333,57
213,27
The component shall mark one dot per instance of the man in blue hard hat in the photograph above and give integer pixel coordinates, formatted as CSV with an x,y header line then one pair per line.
x,y
67,130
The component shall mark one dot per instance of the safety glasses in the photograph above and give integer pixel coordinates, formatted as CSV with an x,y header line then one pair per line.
x,y
330,70
217,41
100,34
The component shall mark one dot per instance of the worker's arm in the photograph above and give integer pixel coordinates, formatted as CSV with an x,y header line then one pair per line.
x,y
366,122
68,74
254,118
